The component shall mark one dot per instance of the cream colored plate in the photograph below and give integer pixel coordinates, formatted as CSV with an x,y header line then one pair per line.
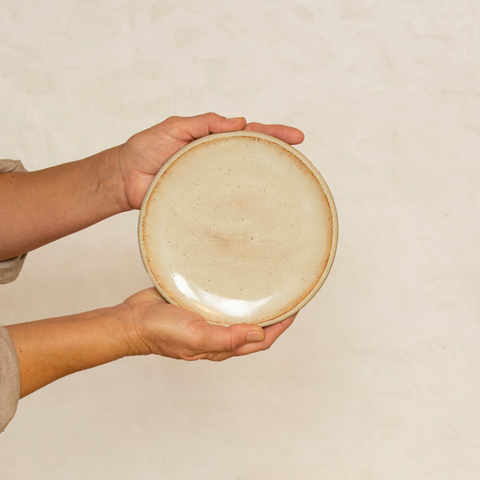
x,y
239,228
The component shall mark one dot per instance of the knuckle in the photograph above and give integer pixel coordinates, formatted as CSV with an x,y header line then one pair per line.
x,y
231,344
173,118
211,116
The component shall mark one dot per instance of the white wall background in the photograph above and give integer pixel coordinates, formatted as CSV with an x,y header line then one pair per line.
x,y
379,377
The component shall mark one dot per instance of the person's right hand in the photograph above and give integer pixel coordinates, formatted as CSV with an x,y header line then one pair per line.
x,y
158,327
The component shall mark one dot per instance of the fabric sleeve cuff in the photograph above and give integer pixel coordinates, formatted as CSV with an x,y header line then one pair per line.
x,y
9,379
10,269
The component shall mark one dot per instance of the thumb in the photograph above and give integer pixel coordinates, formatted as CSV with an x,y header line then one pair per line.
x,y
201,125
218,338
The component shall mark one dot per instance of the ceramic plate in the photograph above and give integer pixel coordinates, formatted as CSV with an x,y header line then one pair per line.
x,y
238,227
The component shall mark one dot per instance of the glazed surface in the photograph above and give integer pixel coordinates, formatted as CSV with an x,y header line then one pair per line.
x,y
237,229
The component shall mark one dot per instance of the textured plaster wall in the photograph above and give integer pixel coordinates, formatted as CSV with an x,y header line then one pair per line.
x,y
379,377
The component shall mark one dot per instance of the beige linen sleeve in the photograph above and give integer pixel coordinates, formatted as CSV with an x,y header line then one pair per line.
x,y
9,269
9,379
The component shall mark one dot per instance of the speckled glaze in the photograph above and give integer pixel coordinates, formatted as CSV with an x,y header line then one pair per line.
x,y
239,228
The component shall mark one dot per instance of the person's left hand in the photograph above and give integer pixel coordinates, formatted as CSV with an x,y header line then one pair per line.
x,y
157,327
142,156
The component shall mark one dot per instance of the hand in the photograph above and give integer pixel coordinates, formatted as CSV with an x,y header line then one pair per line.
x,y
163,329
52,348
142,156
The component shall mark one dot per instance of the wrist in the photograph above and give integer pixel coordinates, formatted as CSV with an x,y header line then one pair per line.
x,y
128,329
110,180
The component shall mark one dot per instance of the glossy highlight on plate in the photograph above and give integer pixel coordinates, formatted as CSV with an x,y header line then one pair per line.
x,y
238,227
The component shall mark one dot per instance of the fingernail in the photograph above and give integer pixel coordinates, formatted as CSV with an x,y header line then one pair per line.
x,y
235,119
255,336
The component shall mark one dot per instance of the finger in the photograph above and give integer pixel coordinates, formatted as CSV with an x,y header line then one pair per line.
x,y
202,125
272,332
291,135
217,339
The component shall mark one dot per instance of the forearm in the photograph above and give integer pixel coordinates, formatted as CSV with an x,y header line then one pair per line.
x,y
50,349
39,207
